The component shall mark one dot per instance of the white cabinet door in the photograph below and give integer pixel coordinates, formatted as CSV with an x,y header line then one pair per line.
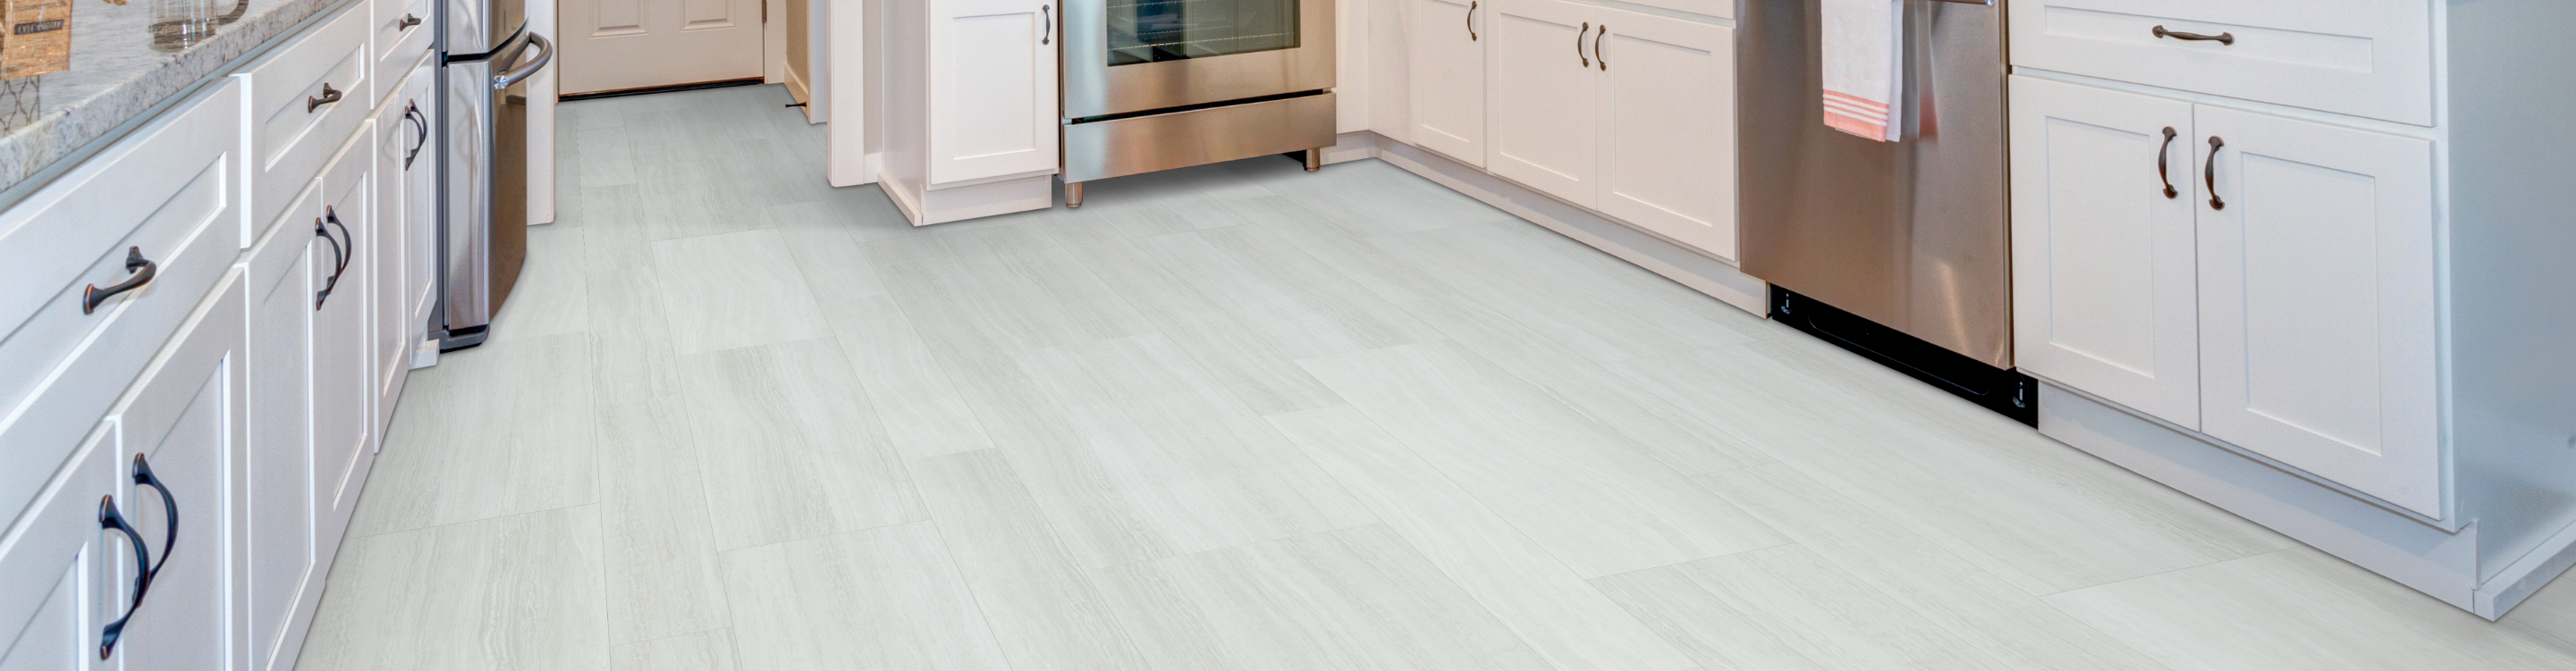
x,y
391,331
1541,96
992,88
179,424
2317,301
1448,74
62,576
2105,294
277,502
1667,127
343,369
420,210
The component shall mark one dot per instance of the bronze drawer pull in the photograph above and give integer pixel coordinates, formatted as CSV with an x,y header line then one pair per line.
x,y
329,95
2221,38
143,270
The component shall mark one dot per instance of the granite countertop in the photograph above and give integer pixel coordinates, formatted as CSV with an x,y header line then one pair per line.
x,y
124,58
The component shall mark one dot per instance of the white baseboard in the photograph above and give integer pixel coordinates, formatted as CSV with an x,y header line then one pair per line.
x,y
1705,274
2527,575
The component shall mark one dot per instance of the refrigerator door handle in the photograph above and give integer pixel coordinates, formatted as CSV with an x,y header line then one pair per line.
x,y
545,54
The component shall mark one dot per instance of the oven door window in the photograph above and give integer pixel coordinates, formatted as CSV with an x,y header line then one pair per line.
x,y
1148,31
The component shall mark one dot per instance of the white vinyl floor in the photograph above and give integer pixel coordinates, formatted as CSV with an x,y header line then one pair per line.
x,y
1243,417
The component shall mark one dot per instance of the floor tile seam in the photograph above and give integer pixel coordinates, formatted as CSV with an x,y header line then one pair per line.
x,y
925,517
984,604
1870,580
568,506
2054,596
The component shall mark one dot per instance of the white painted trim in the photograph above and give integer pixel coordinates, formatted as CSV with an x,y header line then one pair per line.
x,y
1691,267
848,162
773,42
2401,548
541,118
2527,575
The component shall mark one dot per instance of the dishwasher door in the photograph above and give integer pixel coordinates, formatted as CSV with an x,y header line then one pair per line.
x,y
1909,234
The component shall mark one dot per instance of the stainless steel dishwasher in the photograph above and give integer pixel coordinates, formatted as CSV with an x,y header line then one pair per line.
x,y
1897,250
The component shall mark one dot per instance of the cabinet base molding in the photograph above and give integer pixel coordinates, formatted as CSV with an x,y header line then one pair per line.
x,y
1718,279
2433,560
960,203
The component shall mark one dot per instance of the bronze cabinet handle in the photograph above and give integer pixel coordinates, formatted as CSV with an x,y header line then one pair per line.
x,y
1048,12
109,519
407,22
1471,20
2161,154
1578,44
2221,38
143,270
2210,172
329,95
1596,47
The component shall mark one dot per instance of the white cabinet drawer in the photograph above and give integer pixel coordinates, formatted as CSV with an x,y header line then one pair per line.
x,y
166,193
2369,58
304,100
402,30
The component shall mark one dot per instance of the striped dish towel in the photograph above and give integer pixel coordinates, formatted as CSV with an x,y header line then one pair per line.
x,y
1864,60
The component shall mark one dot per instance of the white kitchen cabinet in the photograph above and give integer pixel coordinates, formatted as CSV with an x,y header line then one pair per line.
x,y
278,508
1448,75
1543,97
344,387
179,424
61,573
2317,301
971,97
2106,296
1666,150
400,237
2369,58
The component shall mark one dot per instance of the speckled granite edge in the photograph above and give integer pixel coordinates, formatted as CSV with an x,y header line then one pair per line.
x,y
40,144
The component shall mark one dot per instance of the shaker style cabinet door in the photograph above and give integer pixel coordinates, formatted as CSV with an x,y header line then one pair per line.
x,y
2104,288
1541,95
343,375
180,428
276,545
1667,127
1448,71
992,88
2317,301
63,576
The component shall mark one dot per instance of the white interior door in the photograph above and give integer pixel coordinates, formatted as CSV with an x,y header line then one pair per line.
x,y
2105,295
611,45
1448,61
1540,95
992,88
2317,301
1667,131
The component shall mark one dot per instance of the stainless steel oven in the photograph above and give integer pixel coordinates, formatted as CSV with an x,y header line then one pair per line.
x,y
1158,84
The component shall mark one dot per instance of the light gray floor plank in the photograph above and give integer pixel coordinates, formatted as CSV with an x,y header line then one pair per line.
x,y
1303,307
516,593
606,158
1353,256
999,290
1552,610
372,617
907,385
1137,454
1519,269
2295,610
883,598
617,237
1258,373
2040,515
734,290
581,115
710,650
502,430
2549,615
630,338
790,446
662,580
1348,599
1370,198
1042,609
1140,209
2017,630
1594,500
1784,608
550,296
1676,437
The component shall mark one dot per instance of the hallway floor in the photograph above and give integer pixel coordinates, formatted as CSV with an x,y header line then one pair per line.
x,y
1243,417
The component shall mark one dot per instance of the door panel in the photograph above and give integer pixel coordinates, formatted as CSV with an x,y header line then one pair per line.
x,y
277,546
611,45
183,419
1667,133
2105,295
61,575
1448,51
343,379
1541,97
993,89
2317,305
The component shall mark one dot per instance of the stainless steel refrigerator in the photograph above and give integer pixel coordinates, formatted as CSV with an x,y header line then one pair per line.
x,y
1897,250
486,54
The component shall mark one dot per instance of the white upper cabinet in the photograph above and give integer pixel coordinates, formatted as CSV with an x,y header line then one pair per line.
x,y
1542,98
2104,296
1667,127
2318,311
2370,58
1448,75
992,88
